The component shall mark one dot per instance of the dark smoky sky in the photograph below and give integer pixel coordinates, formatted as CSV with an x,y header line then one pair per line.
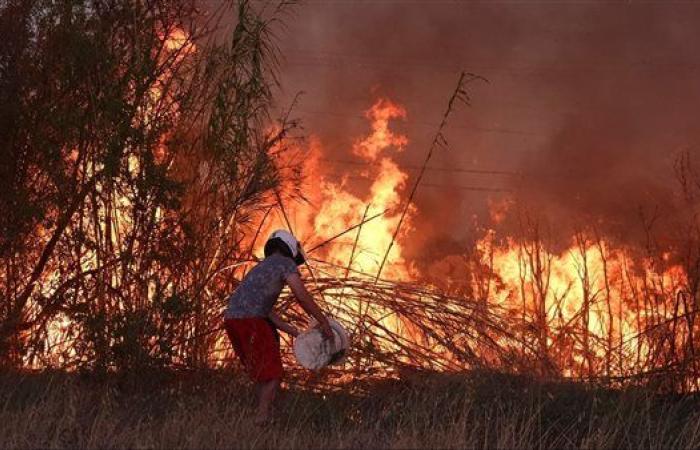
x,y
591,102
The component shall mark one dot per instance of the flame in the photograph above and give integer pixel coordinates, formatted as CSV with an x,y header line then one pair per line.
x,y
178,40
381,137
335,205
579,300
588,290
178,45
498,209
585,302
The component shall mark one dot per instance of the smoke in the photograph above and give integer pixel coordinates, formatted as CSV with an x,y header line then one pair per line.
x,y
588,102
628,101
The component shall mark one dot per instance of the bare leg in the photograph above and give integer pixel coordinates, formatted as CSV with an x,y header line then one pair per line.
x,y
267,391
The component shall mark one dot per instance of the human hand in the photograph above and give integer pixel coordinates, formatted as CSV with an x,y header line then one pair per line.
x,y
327,332
336,357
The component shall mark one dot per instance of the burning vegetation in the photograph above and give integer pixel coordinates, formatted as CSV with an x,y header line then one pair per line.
x,y
143,168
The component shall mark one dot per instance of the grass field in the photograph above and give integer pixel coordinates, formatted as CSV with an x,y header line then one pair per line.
x,y
214,410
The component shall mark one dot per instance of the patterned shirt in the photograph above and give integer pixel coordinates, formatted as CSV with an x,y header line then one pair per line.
x,y
260,288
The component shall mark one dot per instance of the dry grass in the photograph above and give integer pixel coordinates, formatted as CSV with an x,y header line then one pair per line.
x,y
213,410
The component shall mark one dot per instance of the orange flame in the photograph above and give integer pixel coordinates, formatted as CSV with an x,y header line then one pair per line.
x,y
335,205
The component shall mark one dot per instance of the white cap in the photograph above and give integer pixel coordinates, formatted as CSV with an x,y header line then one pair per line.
x,y
288,238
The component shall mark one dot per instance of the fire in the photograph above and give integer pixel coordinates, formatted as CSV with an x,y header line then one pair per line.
x,y
335,206
580,307
585,308
585,301
178,40
177,45
381,137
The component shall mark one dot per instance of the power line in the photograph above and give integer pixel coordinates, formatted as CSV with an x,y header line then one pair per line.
x,y
467,188
341,60
445,186
521,64
426,124
527,66
422,100
436,169
508,2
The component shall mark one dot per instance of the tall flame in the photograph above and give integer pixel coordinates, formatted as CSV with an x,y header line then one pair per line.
x,y
335,204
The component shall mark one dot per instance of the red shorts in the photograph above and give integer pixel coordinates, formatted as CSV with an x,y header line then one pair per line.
x,y
257,347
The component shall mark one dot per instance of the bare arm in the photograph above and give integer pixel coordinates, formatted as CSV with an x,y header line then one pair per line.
x,y
282,325
308,304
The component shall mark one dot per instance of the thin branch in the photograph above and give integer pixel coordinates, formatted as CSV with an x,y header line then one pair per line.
x,y
439,141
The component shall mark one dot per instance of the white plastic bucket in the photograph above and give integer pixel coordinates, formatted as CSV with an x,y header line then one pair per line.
x,y
313,352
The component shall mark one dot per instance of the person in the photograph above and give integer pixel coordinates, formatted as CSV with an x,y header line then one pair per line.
x,y
251,324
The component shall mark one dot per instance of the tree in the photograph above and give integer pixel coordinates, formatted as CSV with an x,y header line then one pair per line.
x,y
137,146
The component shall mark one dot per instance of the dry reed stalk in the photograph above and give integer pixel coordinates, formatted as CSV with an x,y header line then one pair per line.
x,y
439,141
